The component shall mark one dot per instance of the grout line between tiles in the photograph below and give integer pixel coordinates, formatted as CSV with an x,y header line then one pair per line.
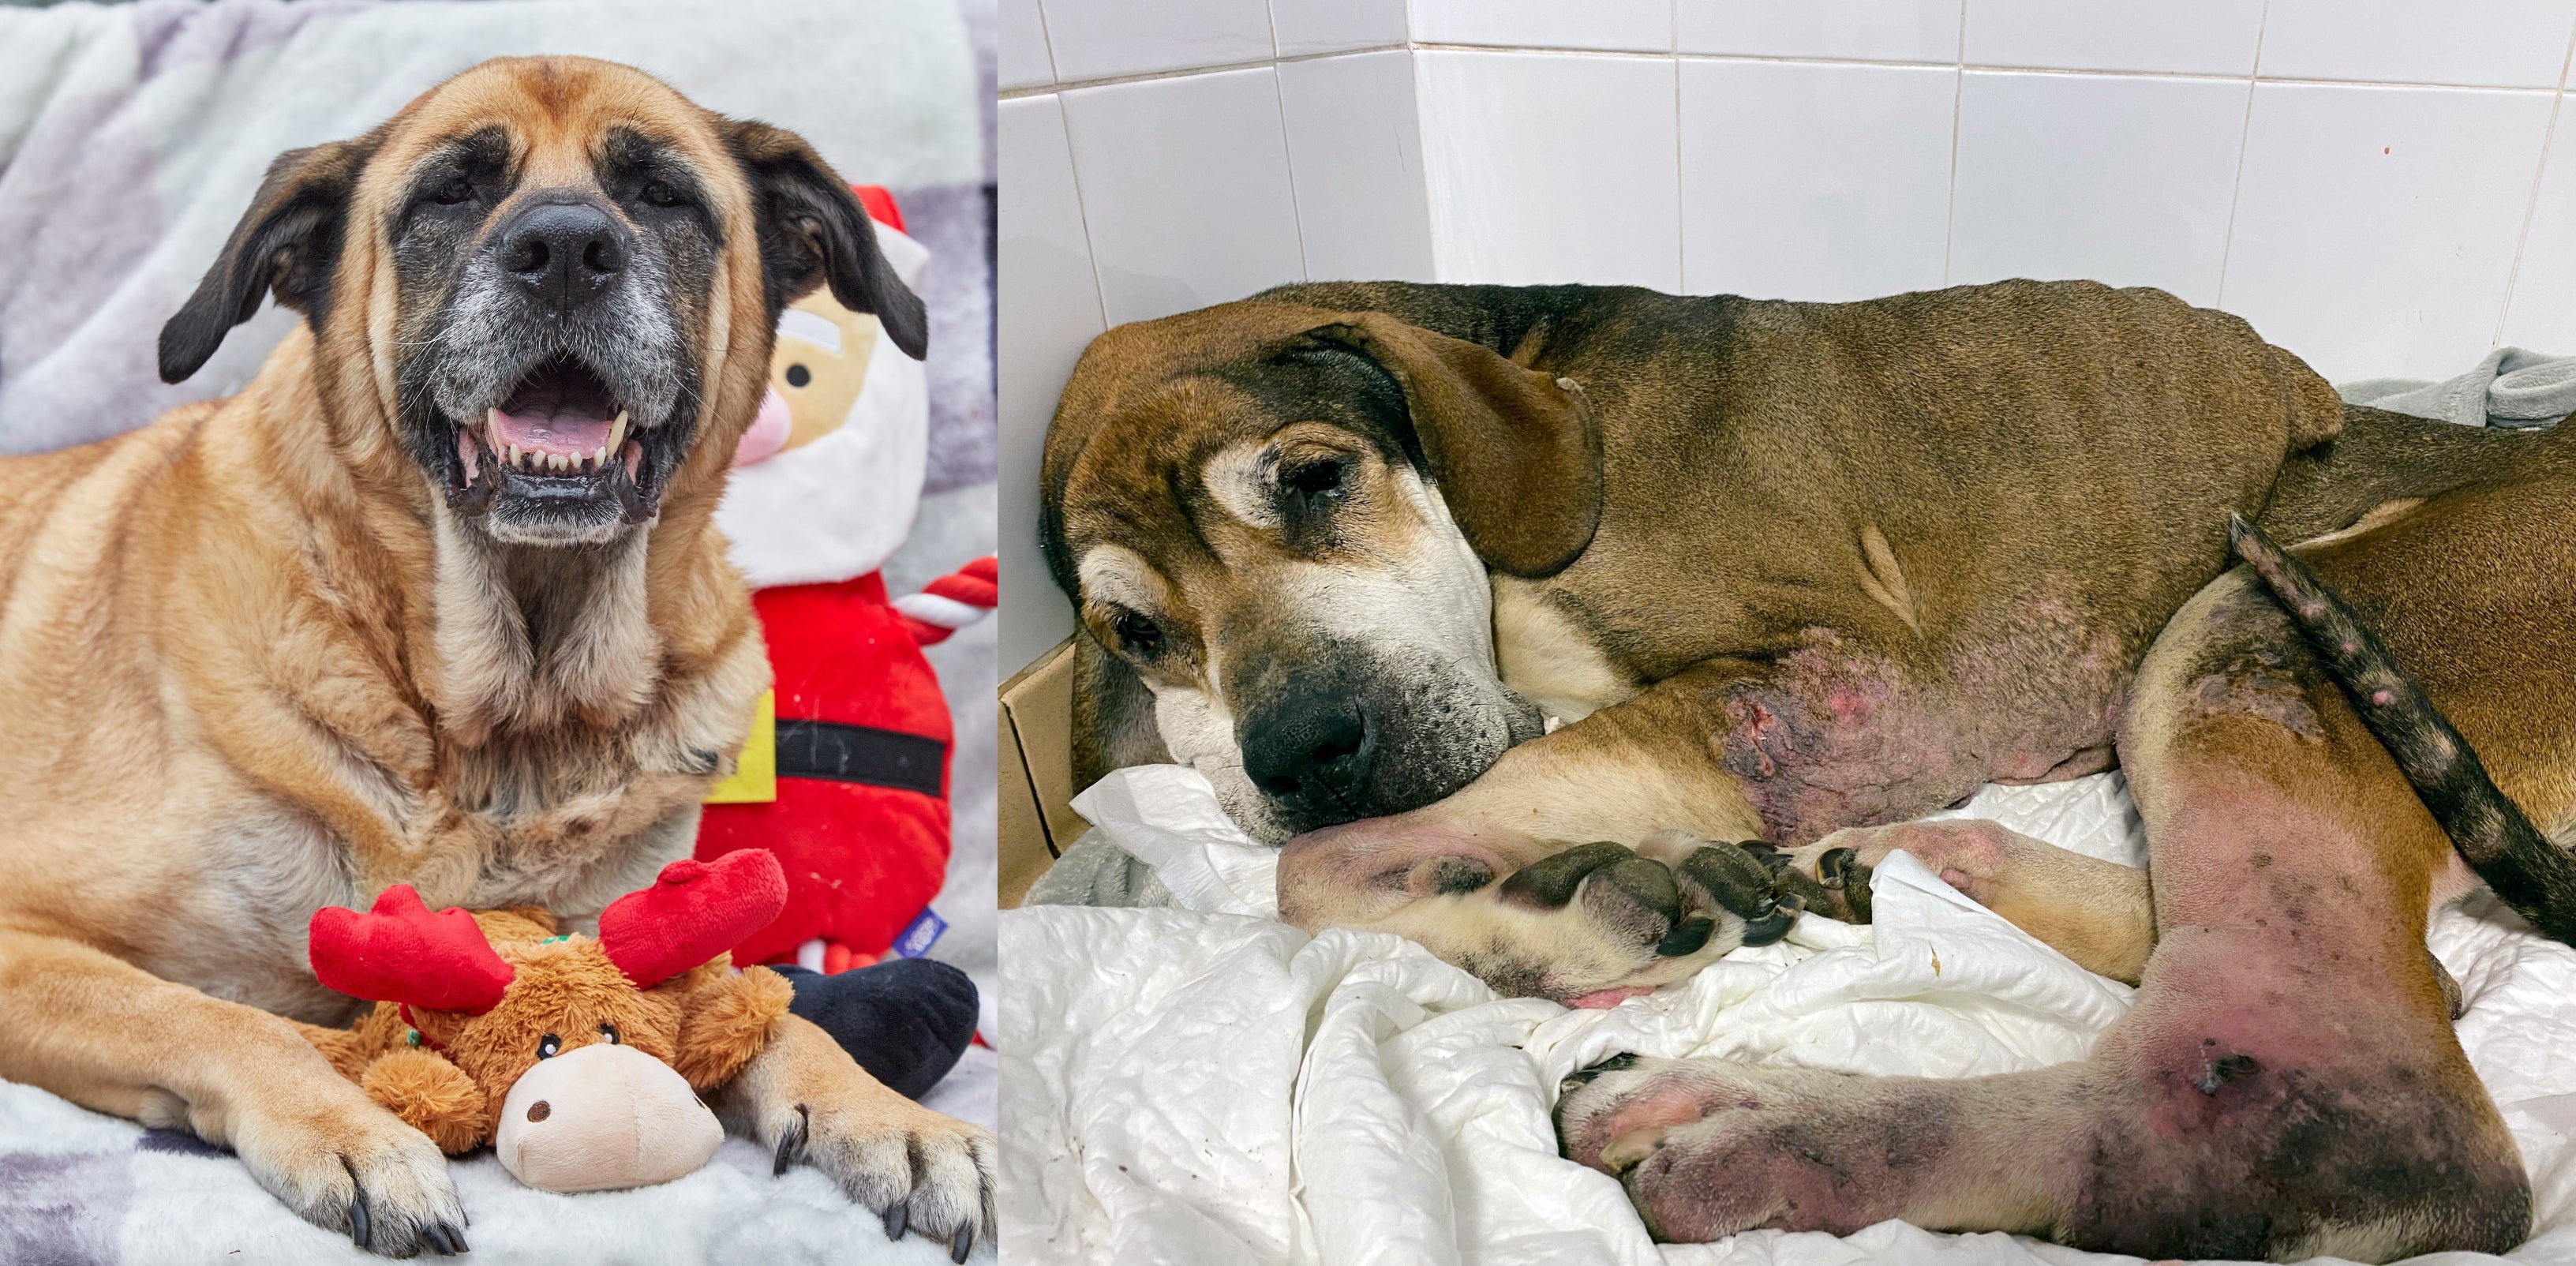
x,y
2244,140
1958,91
1046,36
1149,76
2531,209
1287,152
1099,292
1681,212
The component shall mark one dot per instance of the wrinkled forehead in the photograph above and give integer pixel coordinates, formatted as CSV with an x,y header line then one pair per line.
x,y
552,122
1140,483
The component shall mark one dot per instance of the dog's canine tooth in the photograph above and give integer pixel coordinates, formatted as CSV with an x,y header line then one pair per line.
x,y
616,434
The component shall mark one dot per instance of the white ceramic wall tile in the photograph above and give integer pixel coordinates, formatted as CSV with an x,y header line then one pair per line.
x,y
1102,39
2542,313
1022,57
2125,179
1355,154
1628,25
1330,26
1185,187
2502,43
2208,37
1551,167
1049,310
1808,181
2375,227
1870,30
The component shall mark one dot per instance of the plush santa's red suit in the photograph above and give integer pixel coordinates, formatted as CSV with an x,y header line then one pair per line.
x,y
823,491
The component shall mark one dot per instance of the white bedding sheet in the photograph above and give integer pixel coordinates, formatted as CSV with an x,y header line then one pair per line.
x,y
1210,1085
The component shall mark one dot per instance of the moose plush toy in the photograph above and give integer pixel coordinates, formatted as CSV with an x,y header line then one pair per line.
x,y
579,1058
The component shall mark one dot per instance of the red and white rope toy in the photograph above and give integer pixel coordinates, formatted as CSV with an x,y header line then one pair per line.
x,y
952,602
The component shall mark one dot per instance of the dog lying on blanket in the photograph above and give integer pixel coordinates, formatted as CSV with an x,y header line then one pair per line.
x,y
437,600
1796,571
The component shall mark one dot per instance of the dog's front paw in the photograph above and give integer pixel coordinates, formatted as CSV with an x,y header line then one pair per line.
x,y
805,1100
345,1164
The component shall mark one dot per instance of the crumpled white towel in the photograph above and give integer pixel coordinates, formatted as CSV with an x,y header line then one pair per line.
x,y
1198,1085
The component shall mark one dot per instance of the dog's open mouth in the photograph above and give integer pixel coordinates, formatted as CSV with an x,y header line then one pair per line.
x,y
561,439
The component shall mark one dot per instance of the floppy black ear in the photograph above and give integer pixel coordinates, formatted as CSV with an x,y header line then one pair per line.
x,y
288,242
1113,715
1514,451
813,231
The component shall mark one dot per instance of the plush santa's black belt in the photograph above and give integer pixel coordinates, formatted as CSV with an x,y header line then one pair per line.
x,y
856,753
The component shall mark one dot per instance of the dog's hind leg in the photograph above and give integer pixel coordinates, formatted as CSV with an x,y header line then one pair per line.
x,y
105,1034
2287,1083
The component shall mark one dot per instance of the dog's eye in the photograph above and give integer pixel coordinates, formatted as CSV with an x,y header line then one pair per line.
x,y
548,1045
609,1031
453,193
661,195
1316,480
1142,637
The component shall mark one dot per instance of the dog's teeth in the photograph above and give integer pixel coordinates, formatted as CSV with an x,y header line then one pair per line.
x,y
616,435
599,460
511,455
558,462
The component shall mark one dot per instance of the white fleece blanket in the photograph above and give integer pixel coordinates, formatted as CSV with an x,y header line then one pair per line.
x,y
1207,1084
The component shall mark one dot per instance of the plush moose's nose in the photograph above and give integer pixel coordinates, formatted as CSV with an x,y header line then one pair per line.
x,y
1309,751
601,1117
566,253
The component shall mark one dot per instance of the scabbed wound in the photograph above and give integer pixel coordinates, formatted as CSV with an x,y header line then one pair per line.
x,y
600,1118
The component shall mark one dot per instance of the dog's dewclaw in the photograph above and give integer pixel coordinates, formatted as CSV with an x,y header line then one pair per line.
x,y
2484,824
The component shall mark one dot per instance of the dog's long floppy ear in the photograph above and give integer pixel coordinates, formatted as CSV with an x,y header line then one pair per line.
x,y
1514,451
288,242
813,232
1113,715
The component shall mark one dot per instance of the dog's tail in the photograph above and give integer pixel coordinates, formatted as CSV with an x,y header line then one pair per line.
x,y
2484,824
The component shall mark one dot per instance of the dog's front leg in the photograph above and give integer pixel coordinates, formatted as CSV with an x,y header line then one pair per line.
x,y
1598,860
806,1100
108,1035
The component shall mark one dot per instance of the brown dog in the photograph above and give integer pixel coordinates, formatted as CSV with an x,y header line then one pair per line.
x,y
436,600
1790,570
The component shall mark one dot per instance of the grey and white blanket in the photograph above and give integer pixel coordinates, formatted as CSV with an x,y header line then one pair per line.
x,y
131,138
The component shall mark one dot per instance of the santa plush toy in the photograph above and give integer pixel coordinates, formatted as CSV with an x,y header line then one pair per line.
x,y
845,777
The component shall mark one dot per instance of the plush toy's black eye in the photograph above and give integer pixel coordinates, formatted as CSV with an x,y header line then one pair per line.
x,y
798,375
609,1031
548,1045
1141,637
661,195
453,193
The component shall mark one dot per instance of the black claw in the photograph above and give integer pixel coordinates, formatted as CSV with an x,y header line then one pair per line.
x,y
1835,867
898,1216
1731,879
360,1231
1550,882
442,1241
1774,923
1583,1076
962,1241
457,1237
1687,936
1769,855
790,1142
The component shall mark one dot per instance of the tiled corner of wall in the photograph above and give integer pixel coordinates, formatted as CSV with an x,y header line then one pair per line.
x,y
2385,187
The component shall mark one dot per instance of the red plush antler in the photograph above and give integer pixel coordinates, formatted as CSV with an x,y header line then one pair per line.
x,y
694,911
400,952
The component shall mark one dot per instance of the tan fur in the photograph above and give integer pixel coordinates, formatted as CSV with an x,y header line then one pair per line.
x,y
251,665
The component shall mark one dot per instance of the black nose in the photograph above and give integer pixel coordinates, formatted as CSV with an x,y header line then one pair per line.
x,y
566,254
1310,753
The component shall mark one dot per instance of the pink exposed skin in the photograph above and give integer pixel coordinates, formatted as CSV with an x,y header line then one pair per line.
x,y
2286,1074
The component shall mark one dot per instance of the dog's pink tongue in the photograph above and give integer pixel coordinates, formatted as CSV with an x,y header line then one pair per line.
x,y
570,435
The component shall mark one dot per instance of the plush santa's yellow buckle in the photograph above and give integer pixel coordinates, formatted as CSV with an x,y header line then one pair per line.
x,y
755,776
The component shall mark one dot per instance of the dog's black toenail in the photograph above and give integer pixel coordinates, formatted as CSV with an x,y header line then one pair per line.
x,y
790,1142
1550,882
1772,924
960,1242
1687,936
1835,866
898,1216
